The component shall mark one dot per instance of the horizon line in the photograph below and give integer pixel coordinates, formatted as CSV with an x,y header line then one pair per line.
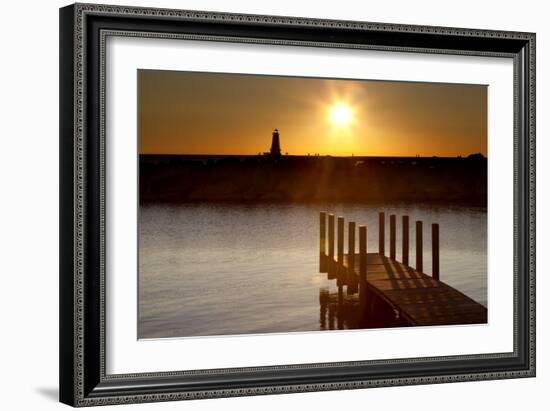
x,y
311,155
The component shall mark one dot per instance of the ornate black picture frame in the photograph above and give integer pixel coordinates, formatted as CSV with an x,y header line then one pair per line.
x,y
83,30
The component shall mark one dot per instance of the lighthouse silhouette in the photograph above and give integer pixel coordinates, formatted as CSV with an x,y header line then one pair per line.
x,y
275,150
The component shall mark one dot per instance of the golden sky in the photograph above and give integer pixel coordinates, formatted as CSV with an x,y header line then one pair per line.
x,y
206,113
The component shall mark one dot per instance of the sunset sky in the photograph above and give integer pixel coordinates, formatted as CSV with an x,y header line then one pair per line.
x,y
205,113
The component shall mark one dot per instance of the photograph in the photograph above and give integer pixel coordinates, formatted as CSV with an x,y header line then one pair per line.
x,y
284,204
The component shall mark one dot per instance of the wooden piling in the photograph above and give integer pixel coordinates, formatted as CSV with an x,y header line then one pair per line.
x,y
340,250
381,233
323,260
322,233
392,236
330,264
363,268
419,257
405,239
340,310
351,278
435,251
324,299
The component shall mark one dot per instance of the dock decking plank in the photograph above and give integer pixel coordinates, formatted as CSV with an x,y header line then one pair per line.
x,y
419,298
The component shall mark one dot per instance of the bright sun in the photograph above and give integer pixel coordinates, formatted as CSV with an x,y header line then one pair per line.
x,y
340,114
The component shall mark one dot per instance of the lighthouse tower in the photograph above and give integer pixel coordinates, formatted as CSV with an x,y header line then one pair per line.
x,y
275,150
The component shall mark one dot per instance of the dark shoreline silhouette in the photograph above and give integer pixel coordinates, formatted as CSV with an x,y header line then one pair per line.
x,y
310,179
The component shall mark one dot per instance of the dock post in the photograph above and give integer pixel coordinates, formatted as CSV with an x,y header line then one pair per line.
x,y
340,273
363,269
330,265
323,242
419,256
381,233
340,243
392,236
435,251
323,233
352,280
405,238
324,299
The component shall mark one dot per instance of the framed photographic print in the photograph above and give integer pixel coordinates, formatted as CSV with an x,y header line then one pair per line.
x,y
261,204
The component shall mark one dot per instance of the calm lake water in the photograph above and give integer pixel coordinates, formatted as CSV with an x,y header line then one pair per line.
x,y
215,269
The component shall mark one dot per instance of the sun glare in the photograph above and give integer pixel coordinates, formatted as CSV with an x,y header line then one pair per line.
x,y
341,114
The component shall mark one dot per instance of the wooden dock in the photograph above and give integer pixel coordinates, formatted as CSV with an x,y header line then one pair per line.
x,y
383,283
